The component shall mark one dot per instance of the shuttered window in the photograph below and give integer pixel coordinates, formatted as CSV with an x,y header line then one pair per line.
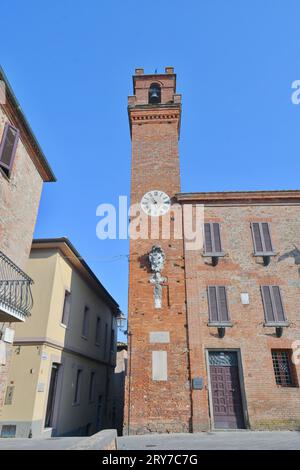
x,y
217,303
273,306
262,238
212,239
8,147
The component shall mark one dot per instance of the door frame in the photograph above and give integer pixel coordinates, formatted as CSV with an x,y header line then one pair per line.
x,y
242,387
58,360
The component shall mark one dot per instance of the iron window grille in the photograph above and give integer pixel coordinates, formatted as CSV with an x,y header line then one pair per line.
x,y
284,369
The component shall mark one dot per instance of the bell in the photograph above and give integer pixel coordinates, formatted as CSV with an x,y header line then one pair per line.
x,y
154,96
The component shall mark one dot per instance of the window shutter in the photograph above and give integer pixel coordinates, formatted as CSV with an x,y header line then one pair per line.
x,y
273,306
218,307
261,238
208,238
266,237
8,146
278,304
217,238
212,302
223,309
212,238
258,247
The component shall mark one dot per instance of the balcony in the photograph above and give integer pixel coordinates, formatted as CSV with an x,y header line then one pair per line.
x,y
15,292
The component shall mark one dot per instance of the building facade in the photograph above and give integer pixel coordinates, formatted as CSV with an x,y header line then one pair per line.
x,y
211,328
61,376
23,169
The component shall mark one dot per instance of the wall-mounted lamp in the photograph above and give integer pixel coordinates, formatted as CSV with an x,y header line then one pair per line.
x,y
121,323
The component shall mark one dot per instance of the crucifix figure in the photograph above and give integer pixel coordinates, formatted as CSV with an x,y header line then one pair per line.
x,y
157,258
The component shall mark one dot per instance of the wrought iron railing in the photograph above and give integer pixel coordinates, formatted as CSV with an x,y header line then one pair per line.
x,y
15,291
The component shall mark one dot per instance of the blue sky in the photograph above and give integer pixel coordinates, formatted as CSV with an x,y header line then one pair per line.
x,y
70,64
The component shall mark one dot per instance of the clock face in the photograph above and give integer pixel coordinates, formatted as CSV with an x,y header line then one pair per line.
x,y
155,203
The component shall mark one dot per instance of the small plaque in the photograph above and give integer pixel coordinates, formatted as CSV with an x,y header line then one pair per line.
x,y
159,337
197,383
8,335
41,387
245,298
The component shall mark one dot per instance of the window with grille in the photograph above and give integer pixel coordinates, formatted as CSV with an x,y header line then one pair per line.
x,y
262,242
273,306
284,369
212,239
217,303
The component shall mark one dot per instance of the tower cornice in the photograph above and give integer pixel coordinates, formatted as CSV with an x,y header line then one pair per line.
x,y
143,114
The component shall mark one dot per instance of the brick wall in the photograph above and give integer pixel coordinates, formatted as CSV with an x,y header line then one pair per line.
x,y
19,202
268,405
156,406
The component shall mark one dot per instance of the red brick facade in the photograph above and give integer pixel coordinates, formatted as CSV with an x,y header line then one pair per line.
x,y
174,404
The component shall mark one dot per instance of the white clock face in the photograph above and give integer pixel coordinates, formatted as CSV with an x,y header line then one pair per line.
x,y
155,203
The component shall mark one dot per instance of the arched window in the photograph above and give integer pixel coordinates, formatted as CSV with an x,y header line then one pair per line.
x,y
154,93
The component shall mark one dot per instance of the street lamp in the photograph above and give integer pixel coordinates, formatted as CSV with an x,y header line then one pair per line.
x,y
121,323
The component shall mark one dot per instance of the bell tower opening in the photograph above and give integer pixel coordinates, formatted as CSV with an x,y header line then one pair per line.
x,y
154,93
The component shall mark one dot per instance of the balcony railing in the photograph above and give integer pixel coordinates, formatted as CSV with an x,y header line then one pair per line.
x,y
15,292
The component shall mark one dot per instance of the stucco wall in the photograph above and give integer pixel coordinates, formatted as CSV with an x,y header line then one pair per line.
x,y
43,340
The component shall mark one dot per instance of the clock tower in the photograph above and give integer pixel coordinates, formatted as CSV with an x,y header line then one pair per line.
x,y
158,397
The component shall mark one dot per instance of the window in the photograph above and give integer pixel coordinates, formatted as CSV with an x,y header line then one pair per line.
x,y
66,309
8,430
85,322
77,387
112,341
212,239
154,93
92,387
98,331
105,340
273,306
217,303
8,147
284,369
262,239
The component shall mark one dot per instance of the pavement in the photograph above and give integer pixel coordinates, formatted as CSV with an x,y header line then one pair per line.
x,y
218,440
229,440
51,443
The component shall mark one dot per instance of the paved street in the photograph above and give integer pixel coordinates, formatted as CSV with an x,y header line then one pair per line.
x,y
231,440
39,444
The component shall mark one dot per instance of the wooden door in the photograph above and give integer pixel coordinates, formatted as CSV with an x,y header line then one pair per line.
x,y
226,390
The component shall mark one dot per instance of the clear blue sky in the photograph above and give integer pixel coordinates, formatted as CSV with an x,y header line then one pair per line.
x,y
70,64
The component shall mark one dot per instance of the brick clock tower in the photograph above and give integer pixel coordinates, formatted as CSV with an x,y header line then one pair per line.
x,y
158,397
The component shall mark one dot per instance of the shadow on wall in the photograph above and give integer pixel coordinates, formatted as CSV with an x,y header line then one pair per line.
x,y
295,253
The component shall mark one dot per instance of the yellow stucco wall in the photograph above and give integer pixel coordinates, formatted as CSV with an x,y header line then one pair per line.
x,y
42,340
